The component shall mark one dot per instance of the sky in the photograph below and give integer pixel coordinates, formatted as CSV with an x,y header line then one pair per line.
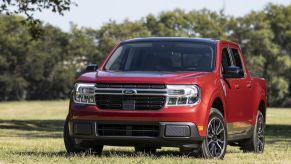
x,y
95,13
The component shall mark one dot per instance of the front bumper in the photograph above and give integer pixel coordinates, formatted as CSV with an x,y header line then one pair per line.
x,y
158,134
196,114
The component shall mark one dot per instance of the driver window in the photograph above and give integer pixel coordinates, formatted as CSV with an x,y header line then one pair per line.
x,y
225,62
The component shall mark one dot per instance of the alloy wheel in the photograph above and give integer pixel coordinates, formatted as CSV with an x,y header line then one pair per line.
x,y
216,137
260,133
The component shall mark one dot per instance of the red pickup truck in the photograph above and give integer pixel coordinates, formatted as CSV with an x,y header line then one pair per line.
x,y
194,94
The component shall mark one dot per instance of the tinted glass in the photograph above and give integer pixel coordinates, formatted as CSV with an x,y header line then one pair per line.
x,y
236,58
161,56
225,59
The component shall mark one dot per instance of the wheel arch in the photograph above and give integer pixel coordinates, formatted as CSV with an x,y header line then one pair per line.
x,y
218,104
215,99
215,102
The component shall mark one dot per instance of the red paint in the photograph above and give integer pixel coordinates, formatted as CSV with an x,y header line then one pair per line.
x,y
240,104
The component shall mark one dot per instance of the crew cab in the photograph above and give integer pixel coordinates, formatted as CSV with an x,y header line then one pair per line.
x,y
190,93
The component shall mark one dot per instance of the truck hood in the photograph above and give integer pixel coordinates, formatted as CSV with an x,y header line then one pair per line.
x,y
141,77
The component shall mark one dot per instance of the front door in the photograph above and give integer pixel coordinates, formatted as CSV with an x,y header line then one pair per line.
x,y
246,91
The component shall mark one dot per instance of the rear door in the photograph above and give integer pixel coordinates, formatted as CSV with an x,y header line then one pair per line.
x,y
235,95
245,88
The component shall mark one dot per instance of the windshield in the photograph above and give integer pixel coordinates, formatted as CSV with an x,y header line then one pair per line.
x,y
162,56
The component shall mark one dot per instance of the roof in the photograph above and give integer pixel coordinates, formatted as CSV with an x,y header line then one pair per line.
x,y
172,39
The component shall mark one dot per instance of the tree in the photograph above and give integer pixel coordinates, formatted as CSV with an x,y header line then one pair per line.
x,y
263,52
13,45
29,7
203,23
280,18
45,68
112,33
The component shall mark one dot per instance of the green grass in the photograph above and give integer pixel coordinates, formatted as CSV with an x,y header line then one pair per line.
x,y
31,132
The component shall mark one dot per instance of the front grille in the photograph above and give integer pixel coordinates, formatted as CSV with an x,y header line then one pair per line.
x,y
130,102
135,86
128,130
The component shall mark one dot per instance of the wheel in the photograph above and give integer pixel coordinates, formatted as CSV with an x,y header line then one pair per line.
x,y
97,149
70,143
72,147
256,143
148,150
186,151
215,142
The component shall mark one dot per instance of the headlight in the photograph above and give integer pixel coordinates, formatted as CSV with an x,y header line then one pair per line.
x,y
183,95
84,93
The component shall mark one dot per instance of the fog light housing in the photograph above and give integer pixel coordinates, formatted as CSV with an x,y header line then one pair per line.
x,y
177,131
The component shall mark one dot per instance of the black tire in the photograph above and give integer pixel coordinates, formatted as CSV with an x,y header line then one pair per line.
x,y
215,142
256,143
187,151
73,148
147,150
70,144
97,149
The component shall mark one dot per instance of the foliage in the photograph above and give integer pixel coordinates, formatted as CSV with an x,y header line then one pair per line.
x,y
46,68
40,69
29,7
266,57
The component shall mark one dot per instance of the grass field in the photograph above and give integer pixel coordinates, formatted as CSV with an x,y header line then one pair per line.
x,y
31,132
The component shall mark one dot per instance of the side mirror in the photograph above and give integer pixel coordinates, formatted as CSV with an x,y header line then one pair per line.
x,y
233,72
91,68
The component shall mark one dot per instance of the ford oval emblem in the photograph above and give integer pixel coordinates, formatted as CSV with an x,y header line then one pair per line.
x,y
129,92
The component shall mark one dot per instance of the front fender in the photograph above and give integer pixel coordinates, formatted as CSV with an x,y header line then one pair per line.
x,y
217,93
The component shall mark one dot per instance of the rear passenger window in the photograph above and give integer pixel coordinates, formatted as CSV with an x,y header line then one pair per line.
x,y
236,57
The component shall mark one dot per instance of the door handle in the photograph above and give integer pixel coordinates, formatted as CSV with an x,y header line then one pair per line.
x,y
236,86
249,85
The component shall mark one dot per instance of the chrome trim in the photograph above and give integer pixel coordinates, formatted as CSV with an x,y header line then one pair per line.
x,y
197,102
167,100
148,92
74,92
129,91
120,91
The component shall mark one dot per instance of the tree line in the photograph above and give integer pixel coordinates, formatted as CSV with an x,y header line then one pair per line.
x,y
45,68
